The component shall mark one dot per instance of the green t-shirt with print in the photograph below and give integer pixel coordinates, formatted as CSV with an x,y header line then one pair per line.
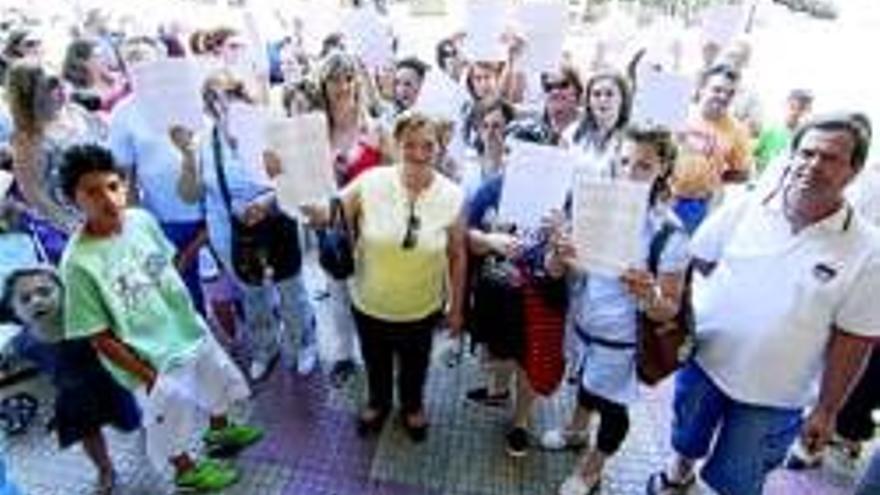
x,y
771,142
128,283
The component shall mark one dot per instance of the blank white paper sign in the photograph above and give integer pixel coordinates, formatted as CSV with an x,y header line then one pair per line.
x,y
662,99
169,93
303,145
537,180
543,24
368,37
485,22
722,23
247,124
5,182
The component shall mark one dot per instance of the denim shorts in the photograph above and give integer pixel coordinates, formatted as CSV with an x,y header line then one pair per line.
x,y
751,440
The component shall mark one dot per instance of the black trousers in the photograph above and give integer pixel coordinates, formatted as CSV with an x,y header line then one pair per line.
x,y
854,421
613,420
383,342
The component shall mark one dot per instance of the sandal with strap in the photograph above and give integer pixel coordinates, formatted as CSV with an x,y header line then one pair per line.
x,y
575,485
660,484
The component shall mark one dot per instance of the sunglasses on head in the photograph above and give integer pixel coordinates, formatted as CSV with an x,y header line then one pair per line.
x,y
413,224
554,85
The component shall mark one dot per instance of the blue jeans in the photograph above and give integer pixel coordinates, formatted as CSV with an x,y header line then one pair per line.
x,y
691,212
746,441
294,309
870,483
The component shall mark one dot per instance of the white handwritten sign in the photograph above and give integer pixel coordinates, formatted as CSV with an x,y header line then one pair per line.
x,y
608,218
169,93
303,145
537,180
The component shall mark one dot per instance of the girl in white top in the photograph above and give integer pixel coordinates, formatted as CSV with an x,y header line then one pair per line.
x,y
605,310
608,101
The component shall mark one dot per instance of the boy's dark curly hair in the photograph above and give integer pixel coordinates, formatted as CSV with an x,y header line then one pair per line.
x,y
82,159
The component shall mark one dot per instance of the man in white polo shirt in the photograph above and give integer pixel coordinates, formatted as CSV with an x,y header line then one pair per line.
x,y
786,316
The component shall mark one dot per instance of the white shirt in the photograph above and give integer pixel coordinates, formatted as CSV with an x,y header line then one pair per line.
x,y
158,163
766,314
864,193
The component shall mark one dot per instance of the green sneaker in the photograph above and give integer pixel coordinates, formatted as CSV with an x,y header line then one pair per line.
x,y
232,439
206,476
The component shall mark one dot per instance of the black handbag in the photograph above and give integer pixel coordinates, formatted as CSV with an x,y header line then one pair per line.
x,y
335,243
270,247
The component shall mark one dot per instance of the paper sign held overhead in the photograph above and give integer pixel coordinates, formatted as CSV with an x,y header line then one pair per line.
x,y
303,145
440,96
721,24
5,183
662,99
169,93
608,219
485,23
536,181
542,23
369,37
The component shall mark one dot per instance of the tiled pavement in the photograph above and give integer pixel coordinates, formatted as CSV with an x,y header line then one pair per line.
x,y
312,448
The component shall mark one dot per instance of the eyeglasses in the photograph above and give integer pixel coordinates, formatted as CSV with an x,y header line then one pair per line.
x,y
554,85
413,223
599,93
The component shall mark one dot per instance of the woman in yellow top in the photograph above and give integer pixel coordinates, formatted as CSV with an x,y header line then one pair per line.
x,y
409,269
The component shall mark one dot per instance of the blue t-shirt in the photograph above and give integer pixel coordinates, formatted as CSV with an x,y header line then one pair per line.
x,y
154,161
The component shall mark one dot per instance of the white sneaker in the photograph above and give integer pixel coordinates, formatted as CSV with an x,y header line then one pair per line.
x,y
559,439
258,370
575,485
307,360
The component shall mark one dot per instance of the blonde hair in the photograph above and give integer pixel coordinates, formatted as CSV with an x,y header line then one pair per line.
x,y
415,121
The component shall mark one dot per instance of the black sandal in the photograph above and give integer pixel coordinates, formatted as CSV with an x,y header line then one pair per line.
x,y
660,484
416,433
373,424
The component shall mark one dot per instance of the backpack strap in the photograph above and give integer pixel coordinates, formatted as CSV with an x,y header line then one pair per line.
x,y
658,243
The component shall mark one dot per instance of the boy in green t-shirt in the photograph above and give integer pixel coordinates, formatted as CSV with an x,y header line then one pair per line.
x,y
124,294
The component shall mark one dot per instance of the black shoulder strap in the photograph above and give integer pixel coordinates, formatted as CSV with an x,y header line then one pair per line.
x,y
657,244
221,173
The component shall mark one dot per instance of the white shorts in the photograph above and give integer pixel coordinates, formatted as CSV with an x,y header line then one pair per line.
x,y
209,383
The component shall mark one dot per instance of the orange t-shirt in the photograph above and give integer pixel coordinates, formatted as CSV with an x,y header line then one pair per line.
x,y
708,149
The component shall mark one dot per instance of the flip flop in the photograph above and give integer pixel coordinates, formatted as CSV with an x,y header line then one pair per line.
x,y
660,484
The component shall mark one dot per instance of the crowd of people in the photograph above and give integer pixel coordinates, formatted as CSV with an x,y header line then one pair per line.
x,y
762,227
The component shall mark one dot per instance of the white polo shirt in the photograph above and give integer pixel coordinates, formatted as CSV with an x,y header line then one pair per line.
x,y
765,315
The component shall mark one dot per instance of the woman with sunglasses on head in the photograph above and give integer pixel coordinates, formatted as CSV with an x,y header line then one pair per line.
x,y
45,123
562,95
606,113
88,71
357,144
605,308
410,265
